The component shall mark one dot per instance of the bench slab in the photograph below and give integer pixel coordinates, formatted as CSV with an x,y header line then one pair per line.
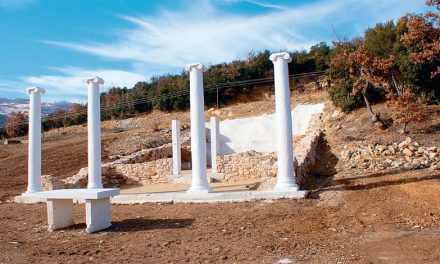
x,y
60,207
90,194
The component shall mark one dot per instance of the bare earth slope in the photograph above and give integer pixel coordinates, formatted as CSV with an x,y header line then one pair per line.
x,y
350,216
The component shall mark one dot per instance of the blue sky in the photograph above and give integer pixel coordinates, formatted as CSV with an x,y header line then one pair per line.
x,y
57,43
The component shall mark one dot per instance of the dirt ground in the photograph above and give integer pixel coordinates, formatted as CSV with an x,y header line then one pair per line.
x,y
389,218
349,216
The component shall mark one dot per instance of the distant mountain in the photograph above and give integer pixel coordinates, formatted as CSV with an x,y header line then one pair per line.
x,y
3,119
10,105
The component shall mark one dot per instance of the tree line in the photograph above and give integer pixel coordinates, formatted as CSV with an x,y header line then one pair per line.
x,y
118,103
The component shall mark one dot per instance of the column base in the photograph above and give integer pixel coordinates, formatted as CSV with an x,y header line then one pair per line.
x,y
286,187
34,190
199,189
95,186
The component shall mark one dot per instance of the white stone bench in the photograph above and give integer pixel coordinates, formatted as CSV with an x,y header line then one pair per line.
x,y
60,207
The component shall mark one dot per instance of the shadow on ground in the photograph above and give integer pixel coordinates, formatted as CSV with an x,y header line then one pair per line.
x,y
348,184
140,224
323,171
357,183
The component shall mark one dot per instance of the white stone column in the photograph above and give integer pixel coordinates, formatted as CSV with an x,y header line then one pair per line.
x,y
34,158
199,183
177,156
94,132
215,142
285,178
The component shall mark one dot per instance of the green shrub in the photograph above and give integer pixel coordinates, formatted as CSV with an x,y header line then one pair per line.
x,y
3,133
341,96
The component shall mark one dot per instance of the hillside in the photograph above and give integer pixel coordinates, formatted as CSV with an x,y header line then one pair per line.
x,y
352,214
22,105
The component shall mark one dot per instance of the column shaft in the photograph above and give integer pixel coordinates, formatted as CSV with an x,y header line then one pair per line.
x,y
285,179
199,182
94,134
34,159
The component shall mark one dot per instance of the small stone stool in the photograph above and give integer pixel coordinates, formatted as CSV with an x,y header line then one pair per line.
x,y
60,207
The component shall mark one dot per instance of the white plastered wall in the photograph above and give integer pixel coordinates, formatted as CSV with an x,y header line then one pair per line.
x,y
258,133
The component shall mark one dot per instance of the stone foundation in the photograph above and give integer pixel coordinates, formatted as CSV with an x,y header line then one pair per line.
x,y
154,166
115,174
247,165
157,171
146,155
306,151
304,154
51,182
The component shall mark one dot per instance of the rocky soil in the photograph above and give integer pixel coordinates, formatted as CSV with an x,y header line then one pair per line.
x,y
406,155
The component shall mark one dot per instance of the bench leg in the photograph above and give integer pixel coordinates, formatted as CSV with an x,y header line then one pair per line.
x,y
98,214
59,213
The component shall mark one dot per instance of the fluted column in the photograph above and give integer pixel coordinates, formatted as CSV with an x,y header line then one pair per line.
x,y
34,158
94,132
199,182
285,178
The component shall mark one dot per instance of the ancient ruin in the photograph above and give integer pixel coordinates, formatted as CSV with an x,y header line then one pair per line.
x,y
237,150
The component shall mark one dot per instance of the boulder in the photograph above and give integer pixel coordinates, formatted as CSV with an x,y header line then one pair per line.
x,y
407,152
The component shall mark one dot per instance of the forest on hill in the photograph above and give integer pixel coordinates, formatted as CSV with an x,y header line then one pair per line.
x,y
396,62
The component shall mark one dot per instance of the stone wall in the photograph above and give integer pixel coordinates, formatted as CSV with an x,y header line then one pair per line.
x,y
306,150
50,182
153,166
250,165
115,174
147,166
247,165
157,171
146,155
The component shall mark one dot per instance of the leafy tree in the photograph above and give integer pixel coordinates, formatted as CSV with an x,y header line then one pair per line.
x,y
380,40
16,125
78,113
366,72
423,35
320,53
382,61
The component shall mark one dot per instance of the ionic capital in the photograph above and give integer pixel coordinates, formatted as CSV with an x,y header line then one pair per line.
x,y
94,79
281,55
195,66
35,90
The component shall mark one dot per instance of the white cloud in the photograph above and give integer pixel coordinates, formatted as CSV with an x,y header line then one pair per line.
x,y
70,82
9,88
175,38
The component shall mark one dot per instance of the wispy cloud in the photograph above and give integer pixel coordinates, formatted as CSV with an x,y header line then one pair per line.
x,y
70,81
174,38
268,5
